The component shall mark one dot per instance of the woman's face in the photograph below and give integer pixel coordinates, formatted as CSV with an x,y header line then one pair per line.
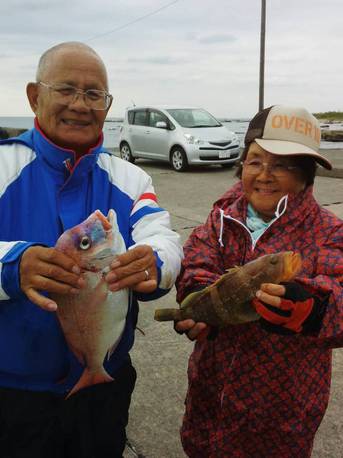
x,y
267,177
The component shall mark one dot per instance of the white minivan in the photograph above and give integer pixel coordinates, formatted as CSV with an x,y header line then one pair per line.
x,y
181,136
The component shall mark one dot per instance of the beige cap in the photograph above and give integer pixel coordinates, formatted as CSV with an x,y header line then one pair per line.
x,y
289,131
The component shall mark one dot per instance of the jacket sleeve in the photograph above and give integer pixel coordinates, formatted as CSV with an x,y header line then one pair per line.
x,y
10,256
327,284
203,262
150,225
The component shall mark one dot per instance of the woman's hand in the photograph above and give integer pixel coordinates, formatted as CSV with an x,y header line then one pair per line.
x,y
271,293
136,269
288,307
193,330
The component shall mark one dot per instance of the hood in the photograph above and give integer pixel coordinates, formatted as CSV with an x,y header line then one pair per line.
x,y
218,134
234,203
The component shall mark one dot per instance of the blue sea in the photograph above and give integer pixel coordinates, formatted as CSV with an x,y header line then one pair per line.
x,y
112,126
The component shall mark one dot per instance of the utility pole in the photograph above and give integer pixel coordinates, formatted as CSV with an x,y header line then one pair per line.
x,y
262,52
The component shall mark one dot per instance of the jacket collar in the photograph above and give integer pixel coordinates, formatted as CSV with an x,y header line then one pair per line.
x,y
62,159
234,204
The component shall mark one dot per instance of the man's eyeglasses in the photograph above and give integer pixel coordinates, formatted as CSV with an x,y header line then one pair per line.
x,y
93,98
277,169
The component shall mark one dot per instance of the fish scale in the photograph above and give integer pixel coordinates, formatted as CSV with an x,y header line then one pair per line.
x,y
228,300
93,320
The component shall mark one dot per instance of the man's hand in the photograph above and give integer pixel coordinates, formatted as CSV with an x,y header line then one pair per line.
x,y
193,330
46,269
136,269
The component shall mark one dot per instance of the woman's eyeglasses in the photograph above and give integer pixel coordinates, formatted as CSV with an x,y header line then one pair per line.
x,y
277,169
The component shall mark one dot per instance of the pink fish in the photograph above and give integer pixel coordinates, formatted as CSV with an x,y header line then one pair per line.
x,y
94,319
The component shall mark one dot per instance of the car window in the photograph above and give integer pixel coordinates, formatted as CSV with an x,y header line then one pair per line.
x,y
188,117
156,116
140,118
201,117
130,116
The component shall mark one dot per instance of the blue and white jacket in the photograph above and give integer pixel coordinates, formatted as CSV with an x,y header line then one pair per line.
x,y
43,192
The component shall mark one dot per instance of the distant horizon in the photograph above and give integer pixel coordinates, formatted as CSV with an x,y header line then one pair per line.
x,y
185,52
121,118
326,112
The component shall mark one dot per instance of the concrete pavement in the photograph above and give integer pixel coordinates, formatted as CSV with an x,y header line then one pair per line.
x,y
160,356
335,156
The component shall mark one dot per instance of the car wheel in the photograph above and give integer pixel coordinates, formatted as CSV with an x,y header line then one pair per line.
x,y
178,159
125,153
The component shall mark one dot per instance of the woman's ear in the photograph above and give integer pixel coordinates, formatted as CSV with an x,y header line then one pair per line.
x,y
32,95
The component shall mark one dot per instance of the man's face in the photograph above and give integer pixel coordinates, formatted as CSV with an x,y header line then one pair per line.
x,y
75,126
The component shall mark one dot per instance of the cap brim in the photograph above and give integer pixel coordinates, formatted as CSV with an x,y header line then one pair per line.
x,y
283,147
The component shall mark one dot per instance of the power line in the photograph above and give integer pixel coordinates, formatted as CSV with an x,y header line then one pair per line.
x,y
134,21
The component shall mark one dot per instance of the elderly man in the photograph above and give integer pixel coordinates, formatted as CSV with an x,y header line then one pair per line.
x,y
52,178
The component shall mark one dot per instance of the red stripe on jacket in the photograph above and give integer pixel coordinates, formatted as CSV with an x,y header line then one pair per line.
x,y
148,195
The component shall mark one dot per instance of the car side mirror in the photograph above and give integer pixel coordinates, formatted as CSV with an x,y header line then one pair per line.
x,y
161,125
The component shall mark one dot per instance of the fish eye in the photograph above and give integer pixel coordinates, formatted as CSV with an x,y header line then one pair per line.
x,y
274,260
85,243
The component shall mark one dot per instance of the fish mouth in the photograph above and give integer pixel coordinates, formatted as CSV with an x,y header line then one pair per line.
x,y
106,224
292,265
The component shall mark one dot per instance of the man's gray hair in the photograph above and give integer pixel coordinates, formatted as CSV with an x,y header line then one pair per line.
x,y
47,56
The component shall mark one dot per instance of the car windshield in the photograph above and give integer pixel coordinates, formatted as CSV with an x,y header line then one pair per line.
x,y
193,117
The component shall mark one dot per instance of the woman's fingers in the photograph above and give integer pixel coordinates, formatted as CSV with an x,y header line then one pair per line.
x,y
273,289
191,328
197,331
271,293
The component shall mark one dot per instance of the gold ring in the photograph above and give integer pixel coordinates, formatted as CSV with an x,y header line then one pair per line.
x,y
146,275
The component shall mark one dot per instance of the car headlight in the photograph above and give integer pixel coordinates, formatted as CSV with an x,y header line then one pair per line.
x,y
191,140
235,139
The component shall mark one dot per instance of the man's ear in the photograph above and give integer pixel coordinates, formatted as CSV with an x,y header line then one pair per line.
x,y
108,109
32,95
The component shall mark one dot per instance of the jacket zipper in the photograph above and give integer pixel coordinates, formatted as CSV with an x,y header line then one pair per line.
x,y
278,213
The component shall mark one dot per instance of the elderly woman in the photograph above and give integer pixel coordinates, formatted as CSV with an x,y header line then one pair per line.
x,y
261,389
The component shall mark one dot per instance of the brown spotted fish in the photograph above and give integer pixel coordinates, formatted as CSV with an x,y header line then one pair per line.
x,y
228,300
94,319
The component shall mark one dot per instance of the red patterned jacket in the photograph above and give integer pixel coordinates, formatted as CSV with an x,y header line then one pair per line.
x,y
252,393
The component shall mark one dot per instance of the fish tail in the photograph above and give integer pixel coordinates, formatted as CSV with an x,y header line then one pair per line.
x,y
89,378
167,314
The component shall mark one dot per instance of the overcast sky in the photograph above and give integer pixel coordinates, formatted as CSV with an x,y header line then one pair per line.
x,y
192,52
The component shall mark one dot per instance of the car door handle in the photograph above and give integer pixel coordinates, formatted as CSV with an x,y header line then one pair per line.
x,y
148,131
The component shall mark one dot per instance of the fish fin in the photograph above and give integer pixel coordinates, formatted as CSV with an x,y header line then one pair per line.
x,y
247,313
233,269
167,315
114,346
89,378
77,353
106,224
111,216
119,245
190,298
225,277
